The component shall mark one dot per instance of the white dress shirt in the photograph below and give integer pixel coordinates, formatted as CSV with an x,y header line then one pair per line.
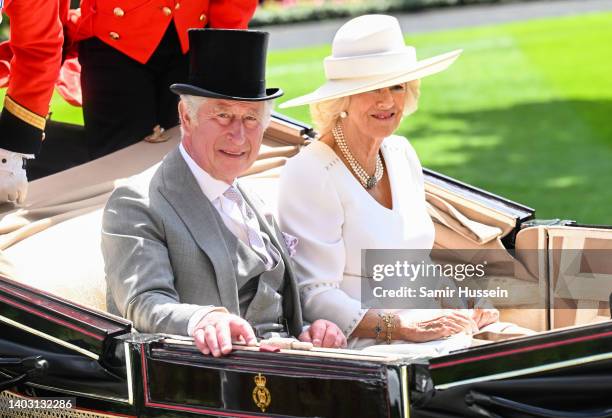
x,y
213,189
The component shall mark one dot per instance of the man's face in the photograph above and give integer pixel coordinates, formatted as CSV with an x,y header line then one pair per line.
x,y
225,137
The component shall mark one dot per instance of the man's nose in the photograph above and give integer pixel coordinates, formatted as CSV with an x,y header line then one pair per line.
x,y
236,131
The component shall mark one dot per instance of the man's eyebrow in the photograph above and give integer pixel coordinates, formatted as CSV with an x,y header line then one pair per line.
x,y
224,107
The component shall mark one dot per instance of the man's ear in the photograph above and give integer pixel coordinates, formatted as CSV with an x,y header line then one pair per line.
x,y
184,116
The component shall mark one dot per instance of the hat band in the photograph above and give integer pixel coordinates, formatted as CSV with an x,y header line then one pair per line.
x,y
369,65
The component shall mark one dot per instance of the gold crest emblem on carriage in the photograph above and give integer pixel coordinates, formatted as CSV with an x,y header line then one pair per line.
x,y
261,394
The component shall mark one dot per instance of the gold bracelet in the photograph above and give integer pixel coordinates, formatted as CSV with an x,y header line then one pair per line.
x,y
389,321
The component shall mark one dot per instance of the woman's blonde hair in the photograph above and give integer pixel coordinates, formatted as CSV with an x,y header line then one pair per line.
x,y
325,114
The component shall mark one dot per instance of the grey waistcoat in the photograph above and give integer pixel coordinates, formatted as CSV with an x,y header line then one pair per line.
x,y
259,291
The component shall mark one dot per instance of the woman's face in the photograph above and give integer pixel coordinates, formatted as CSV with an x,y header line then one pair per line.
x,y
377,113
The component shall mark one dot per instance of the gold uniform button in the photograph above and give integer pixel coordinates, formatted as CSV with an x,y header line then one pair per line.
x,y
202,17
114,35
177,6
118,11
167,11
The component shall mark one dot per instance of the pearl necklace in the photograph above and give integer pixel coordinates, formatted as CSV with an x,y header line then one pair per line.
x,y
364,178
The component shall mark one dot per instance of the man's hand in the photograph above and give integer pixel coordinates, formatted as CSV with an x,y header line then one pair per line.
x,y
216,331
13,180
323,333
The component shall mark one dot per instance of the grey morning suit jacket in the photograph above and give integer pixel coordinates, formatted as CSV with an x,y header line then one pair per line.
x,y
165,255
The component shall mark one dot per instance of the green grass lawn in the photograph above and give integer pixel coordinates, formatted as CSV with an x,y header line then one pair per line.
x,y
525,112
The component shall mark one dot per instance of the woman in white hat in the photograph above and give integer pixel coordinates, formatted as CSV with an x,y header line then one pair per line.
x,y
361,187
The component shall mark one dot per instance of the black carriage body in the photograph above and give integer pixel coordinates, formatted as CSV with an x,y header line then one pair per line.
x,y
562,374
143,375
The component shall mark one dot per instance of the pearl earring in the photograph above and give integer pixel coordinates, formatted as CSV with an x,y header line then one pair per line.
x,y
343,114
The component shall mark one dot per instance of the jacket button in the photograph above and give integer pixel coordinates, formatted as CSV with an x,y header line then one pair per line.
x,y
167,11
114,35
118,11
177,6
202,17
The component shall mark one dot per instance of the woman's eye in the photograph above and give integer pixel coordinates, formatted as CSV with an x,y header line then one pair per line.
x,y
398,87
224,115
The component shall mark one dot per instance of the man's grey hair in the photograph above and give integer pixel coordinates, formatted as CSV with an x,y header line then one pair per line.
x,y
193,104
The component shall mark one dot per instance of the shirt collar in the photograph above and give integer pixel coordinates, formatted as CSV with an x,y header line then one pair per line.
x,y
211,187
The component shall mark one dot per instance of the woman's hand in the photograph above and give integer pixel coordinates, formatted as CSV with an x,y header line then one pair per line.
x,y
484,317
444,326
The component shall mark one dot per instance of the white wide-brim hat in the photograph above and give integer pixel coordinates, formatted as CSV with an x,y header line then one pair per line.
x,y
369,53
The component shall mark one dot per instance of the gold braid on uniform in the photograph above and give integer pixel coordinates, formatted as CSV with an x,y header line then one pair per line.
x,y
24,114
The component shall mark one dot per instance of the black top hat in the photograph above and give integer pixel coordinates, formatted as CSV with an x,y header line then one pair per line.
x,y
228,64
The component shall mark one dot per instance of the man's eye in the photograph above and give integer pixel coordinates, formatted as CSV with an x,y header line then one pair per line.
x,y
224,115
398,87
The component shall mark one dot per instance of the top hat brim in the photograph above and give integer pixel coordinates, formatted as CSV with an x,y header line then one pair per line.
x,y
179,88
334,89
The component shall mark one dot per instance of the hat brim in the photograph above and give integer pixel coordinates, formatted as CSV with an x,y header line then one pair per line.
x,y
180,88
334,89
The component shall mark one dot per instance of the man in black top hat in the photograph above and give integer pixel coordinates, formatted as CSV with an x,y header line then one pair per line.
x,y
187,250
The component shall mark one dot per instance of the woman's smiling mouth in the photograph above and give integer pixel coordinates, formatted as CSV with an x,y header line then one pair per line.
x,y
383,115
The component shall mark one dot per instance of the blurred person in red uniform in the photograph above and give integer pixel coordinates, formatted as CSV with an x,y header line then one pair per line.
x,y
130,52
34,55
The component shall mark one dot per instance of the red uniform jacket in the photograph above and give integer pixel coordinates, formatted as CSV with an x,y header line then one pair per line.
x,y
35,43
135,27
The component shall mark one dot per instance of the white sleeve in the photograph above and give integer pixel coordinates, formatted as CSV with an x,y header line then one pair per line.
x,y
310,209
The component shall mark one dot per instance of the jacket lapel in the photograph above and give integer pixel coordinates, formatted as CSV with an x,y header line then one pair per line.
x,y
202,220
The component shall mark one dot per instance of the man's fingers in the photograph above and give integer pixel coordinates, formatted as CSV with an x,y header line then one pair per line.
x,y
200,341
224,337
210,337
241,328
217,330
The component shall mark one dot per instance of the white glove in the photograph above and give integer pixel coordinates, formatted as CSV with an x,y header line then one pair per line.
x,y
13,179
